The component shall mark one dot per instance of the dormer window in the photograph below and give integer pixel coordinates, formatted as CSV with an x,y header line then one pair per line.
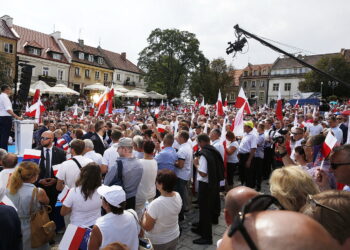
x,y
100,60
34,51
91,58
81,55
56,56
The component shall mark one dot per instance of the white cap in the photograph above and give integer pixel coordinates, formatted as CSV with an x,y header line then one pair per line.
x,y
114,195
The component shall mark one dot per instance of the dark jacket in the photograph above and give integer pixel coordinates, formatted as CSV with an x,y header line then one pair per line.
x,y
215,165
10,229
58,156
99,146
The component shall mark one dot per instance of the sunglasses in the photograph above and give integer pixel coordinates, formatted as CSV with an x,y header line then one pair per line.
x,y
334,166
315,204
45,138
256,204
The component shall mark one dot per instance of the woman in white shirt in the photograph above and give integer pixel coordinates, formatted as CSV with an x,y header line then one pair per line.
x,y
232,159
161,218
83,201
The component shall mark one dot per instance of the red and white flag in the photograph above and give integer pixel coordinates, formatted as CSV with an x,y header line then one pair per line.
x,y
162,106
102,103
279,113
6,201
295,123
61,143
196,103
161,128
33,155
156,112
297,105
238,129
36,96
223,131
195,146
36,110
64,193
202,108
74,237
27,110
225,103
242,101
110,97
137,104
75,114
219,107
328,144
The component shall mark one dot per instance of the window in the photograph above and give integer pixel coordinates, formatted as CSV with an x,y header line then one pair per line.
x,y
253,84
105,76
34,51
45,71
60,74
118,77
245,85
287,86
91,58
100,60
97,75
261,96
252,94
300,70
245,73
264,72
275,87
87,73
77,71
81,55
139,78
255,72
8,72
262,84
56,56
8,48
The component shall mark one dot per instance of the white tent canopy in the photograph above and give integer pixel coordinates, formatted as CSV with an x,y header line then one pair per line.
x,y
96,86
136,93
121,89
155,95
41,85
61,89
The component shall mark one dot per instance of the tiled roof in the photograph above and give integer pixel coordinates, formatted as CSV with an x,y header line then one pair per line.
x,y
74,47
287,62
117,62
5,30
257,67
39,40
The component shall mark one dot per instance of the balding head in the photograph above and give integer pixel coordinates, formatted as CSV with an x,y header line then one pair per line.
x,y
10,160
275,230
47,139
235,199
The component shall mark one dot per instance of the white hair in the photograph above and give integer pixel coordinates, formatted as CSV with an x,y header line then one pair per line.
x,y
88,144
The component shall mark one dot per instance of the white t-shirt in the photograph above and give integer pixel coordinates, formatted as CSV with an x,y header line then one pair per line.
x,y
315,129
165,211
338,133
5,104
110,156
203,167
84,212
122,228
68,171
233,158
95,157
5,176
147,187
185,153
220,147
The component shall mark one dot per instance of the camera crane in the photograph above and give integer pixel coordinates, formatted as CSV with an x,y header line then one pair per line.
x,y
242,36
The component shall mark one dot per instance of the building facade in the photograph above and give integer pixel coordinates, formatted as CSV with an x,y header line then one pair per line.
x,y
232,91
255,81
8,49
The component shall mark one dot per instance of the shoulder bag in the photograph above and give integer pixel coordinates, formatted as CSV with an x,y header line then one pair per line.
x,y
41,228
144,243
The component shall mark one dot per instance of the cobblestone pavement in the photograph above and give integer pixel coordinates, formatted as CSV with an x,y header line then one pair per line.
x,y
185,242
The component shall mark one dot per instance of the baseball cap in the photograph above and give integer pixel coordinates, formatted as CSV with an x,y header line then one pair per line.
x,y
114,195
249,124
125,142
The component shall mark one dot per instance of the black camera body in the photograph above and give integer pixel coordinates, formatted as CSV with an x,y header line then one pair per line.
x,y
280,137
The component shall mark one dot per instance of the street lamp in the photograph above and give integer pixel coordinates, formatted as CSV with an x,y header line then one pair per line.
x,y
333,84
321,90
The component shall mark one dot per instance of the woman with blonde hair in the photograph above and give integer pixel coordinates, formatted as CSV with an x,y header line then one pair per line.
x,y
20,192
291,185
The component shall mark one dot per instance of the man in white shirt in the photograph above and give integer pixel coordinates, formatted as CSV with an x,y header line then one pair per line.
x,y
110,155
68,171
315,128
90,153
9,163
338,133
6,114
296,139
215,135
183,167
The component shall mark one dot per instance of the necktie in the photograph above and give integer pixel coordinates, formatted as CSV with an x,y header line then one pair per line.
x,y
47,164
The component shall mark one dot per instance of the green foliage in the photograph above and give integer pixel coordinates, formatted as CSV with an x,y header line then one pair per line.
x,y
208,78
168,59
5,67
334,65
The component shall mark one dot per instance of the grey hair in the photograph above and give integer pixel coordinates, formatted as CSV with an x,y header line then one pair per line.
x,y
3,152
138,141
89,144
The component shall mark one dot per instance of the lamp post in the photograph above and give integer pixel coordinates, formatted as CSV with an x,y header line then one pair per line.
x,y
321,90
333,84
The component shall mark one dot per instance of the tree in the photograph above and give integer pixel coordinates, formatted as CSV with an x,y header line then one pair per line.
x,y
5,68
209,78
334,65
168,59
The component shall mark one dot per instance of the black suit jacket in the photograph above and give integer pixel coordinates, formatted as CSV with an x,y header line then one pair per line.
x,y
99,147
58,156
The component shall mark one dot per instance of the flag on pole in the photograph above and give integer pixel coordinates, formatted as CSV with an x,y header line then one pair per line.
x,y
279,113
36,109
219,108
110,96
75,238
196,103
36,96
297,104
27,110
102,103
238,129
137,104
295,123
223,131
75,114
202,108
328,144
225,103
314,113
161,128
242,101
64,193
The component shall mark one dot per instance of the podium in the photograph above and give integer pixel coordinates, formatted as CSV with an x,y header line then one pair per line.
x,y
23,135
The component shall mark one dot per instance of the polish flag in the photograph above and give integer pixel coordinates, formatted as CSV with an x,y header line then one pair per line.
x,y
196,103
225,103
137,104
33,155
6,201
238,129
75,238
242,101
297,105
219,109
110,96
156,112
223,131
232,125
61,143
161,128
92,111
36,109
55,169
202,108
279,114
328,144
82,116
75,114
195,146
205,131
36,96
64,193
314,112
295,123
102,103
27,110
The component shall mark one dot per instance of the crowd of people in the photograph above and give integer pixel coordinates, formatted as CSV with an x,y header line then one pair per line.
x,y
131,177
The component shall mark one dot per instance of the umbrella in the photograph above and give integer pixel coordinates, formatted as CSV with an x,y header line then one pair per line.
x,y
155,95
96,86
61,89
121,89
136,93
41,85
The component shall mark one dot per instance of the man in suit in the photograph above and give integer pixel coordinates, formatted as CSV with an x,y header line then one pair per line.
x,y
50,156
97,138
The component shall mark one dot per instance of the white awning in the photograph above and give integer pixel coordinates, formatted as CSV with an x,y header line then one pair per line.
x,y
96,86
61,89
